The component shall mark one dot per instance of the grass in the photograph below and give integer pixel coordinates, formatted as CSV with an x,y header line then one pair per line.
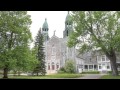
x,y
110,77
91,72
47,76
110,72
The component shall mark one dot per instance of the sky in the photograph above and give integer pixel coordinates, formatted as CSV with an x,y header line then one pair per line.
x,y
55,19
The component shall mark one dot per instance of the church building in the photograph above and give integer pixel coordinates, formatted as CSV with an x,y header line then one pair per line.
x,y
57,52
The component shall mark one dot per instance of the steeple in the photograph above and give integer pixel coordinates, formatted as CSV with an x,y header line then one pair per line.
x,y
68,18
68,25
54,32
40,30
45,24
45,30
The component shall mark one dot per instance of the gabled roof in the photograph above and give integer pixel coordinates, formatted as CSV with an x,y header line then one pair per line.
x,y
54,38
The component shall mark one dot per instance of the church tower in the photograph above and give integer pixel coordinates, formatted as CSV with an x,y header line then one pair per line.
x,y
69,52
45,30
68,26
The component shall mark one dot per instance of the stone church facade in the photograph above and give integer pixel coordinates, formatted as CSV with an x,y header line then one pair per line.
x,y
57,52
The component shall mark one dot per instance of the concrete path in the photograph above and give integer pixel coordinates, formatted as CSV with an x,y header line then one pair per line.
x,y
91,76
85,76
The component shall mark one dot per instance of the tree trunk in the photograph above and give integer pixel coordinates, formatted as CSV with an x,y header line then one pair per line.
x,y
37,73
19,73
5,73
15,72
114,67
112,58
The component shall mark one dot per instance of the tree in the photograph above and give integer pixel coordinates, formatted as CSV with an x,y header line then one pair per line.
x,y
69,66
14,32
25,59
97,30
40,54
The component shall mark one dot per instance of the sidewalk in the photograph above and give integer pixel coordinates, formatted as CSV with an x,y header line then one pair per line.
x,y
91,76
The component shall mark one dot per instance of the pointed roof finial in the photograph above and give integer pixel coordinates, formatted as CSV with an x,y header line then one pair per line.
x,y
54,32
40,28
45,19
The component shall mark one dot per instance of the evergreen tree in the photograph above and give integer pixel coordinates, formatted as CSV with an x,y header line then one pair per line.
x,y
40,54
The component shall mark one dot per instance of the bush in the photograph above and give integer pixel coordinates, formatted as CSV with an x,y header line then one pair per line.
x,y
70,66
62,70
91,72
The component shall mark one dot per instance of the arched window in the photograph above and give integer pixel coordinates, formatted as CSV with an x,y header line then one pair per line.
x,y
48,66
53,66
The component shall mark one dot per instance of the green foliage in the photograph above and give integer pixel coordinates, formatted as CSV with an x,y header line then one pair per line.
x,y
62,70
14,33
40,55
97,30
69,66
26,60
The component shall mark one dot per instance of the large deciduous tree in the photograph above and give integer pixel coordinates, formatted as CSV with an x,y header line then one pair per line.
x,y
14,32
97,29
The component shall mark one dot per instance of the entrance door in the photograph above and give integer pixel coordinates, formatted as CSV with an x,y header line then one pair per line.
x,y
103,67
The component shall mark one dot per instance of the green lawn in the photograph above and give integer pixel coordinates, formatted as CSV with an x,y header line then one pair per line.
x,y
47,76
91,72
110,77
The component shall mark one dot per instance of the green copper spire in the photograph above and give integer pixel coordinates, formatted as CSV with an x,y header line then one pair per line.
x,y
68,18
68,25
45,24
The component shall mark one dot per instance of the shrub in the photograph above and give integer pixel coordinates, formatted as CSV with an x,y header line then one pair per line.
x,y
62,70
70,66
